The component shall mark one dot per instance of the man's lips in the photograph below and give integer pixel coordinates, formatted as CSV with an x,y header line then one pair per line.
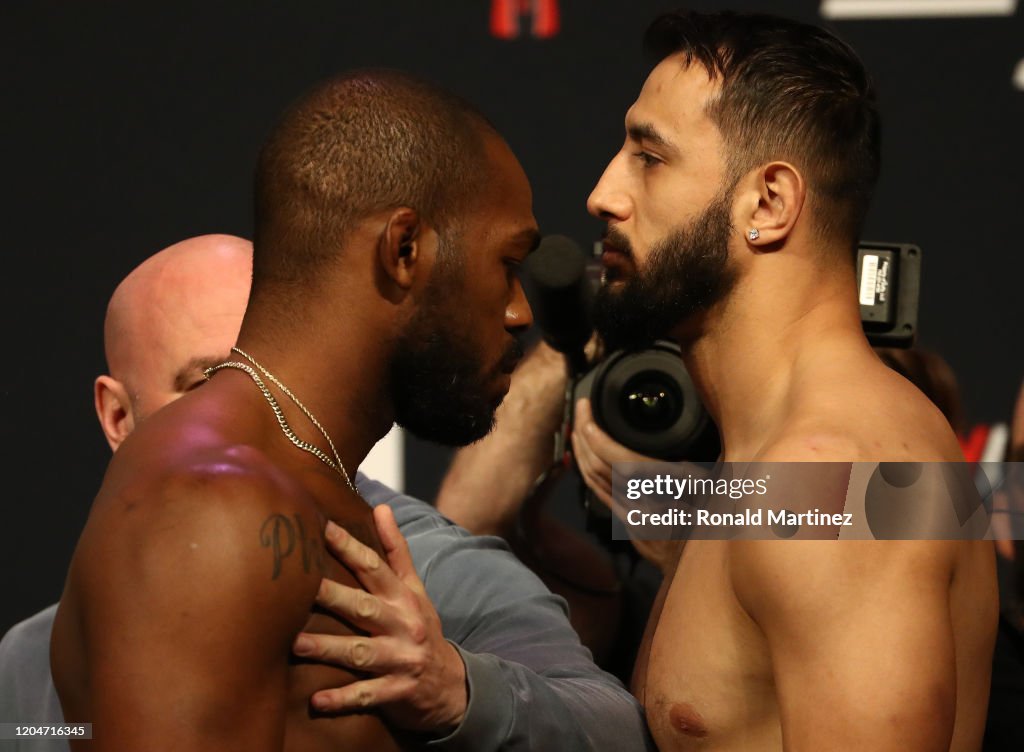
x,y
615,260
511,358
608,247
613,255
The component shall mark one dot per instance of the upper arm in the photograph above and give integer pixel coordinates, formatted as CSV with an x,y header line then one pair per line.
x,y
860,639
191,603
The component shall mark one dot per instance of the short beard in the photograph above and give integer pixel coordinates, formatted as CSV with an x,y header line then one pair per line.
x,y
686,273
438,383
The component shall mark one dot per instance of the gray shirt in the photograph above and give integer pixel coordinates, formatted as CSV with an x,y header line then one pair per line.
x,y
532,685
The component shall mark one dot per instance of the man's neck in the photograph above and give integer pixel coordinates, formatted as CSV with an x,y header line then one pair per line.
x,y
344,388
779,321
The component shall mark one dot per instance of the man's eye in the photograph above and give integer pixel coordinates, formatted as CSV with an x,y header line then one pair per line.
x,y
513,268
647,159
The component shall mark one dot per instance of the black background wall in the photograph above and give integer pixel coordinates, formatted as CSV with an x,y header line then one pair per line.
x,y
126,127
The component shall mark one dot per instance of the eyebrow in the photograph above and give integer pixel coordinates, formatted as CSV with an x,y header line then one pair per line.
x,y
186,375
647,132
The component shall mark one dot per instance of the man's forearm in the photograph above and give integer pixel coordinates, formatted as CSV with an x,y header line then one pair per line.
x,y
513,706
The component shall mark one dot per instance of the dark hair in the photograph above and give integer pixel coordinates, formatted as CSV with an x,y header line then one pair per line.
x,y
362,142
788,91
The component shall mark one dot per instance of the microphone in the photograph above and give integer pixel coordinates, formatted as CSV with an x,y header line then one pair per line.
x,y
562,299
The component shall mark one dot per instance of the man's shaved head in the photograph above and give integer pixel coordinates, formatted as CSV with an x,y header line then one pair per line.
x,y
175,314
360,143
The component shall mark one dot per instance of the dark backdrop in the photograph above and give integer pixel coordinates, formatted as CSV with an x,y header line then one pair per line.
x,y
126,128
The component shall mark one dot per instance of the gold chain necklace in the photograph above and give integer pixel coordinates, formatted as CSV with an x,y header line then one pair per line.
x,y
332,462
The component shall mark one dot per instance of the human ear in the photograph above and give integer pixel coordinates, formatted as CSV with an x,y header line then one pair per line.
x,y
114,410
777,193
402,247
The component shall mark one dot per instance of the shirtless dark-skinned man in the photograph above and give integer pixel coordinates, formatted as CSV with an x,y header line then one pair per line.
x,y
389,221
733,213
527,676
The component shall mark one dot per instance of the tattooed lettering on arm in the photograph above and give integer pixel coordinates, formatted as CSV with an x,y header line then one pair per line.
x,y
280,534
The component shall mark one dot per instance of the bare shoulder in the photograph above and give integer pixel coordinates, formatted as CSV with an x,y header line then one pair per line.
x,y
221,523
197,568
868,414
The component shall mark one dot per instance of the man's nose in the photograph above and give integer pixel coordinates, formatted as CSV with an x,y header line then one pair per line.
x,y
518,316
608,200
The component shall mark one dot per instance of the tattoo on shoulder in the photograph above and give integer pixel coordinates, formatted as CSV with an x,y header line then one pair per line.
x,y
281,534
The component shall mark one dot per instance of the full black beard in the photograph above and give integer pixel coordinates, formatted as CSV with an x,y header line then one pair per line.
x,y
686,273
438,383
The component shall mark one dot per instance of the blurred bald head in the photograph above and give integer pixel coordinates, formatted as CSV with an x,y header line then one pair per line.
x,y
174,315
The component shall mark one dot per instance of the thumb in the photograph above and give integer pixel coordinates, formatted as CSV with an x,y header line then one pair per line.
x,y
395,546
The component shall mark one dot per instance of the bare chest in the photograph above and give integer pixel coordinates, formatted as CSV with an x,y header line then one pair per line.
x,y
708,683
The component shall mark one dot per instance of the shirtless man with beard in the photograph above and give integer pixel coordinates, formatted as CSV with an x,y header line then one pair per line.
x,y
734,210
389,220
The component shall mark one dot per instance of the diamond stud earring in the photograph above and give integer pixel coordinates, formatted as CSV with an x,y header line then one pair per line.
x,y
754,233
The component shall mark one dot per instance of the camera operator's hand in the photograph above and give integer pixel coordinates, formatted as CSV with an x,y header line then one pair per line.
x,y
595,451
418,679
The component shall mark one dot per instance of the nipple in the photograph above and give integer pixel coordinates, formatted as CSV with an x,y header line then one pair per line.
x,y
685,719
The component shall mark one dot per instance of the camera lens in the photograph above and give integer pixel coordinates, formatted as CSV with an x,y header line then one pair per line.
x,y
650,402
646,401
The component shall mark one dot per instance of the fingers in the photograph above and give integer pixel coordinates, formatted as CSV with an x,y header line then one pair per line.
x,y
604,496
607,449
421,684
596,472
360,608
400,615
375,655
373,573
410,707
396,547
359,695
596,451
389,605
